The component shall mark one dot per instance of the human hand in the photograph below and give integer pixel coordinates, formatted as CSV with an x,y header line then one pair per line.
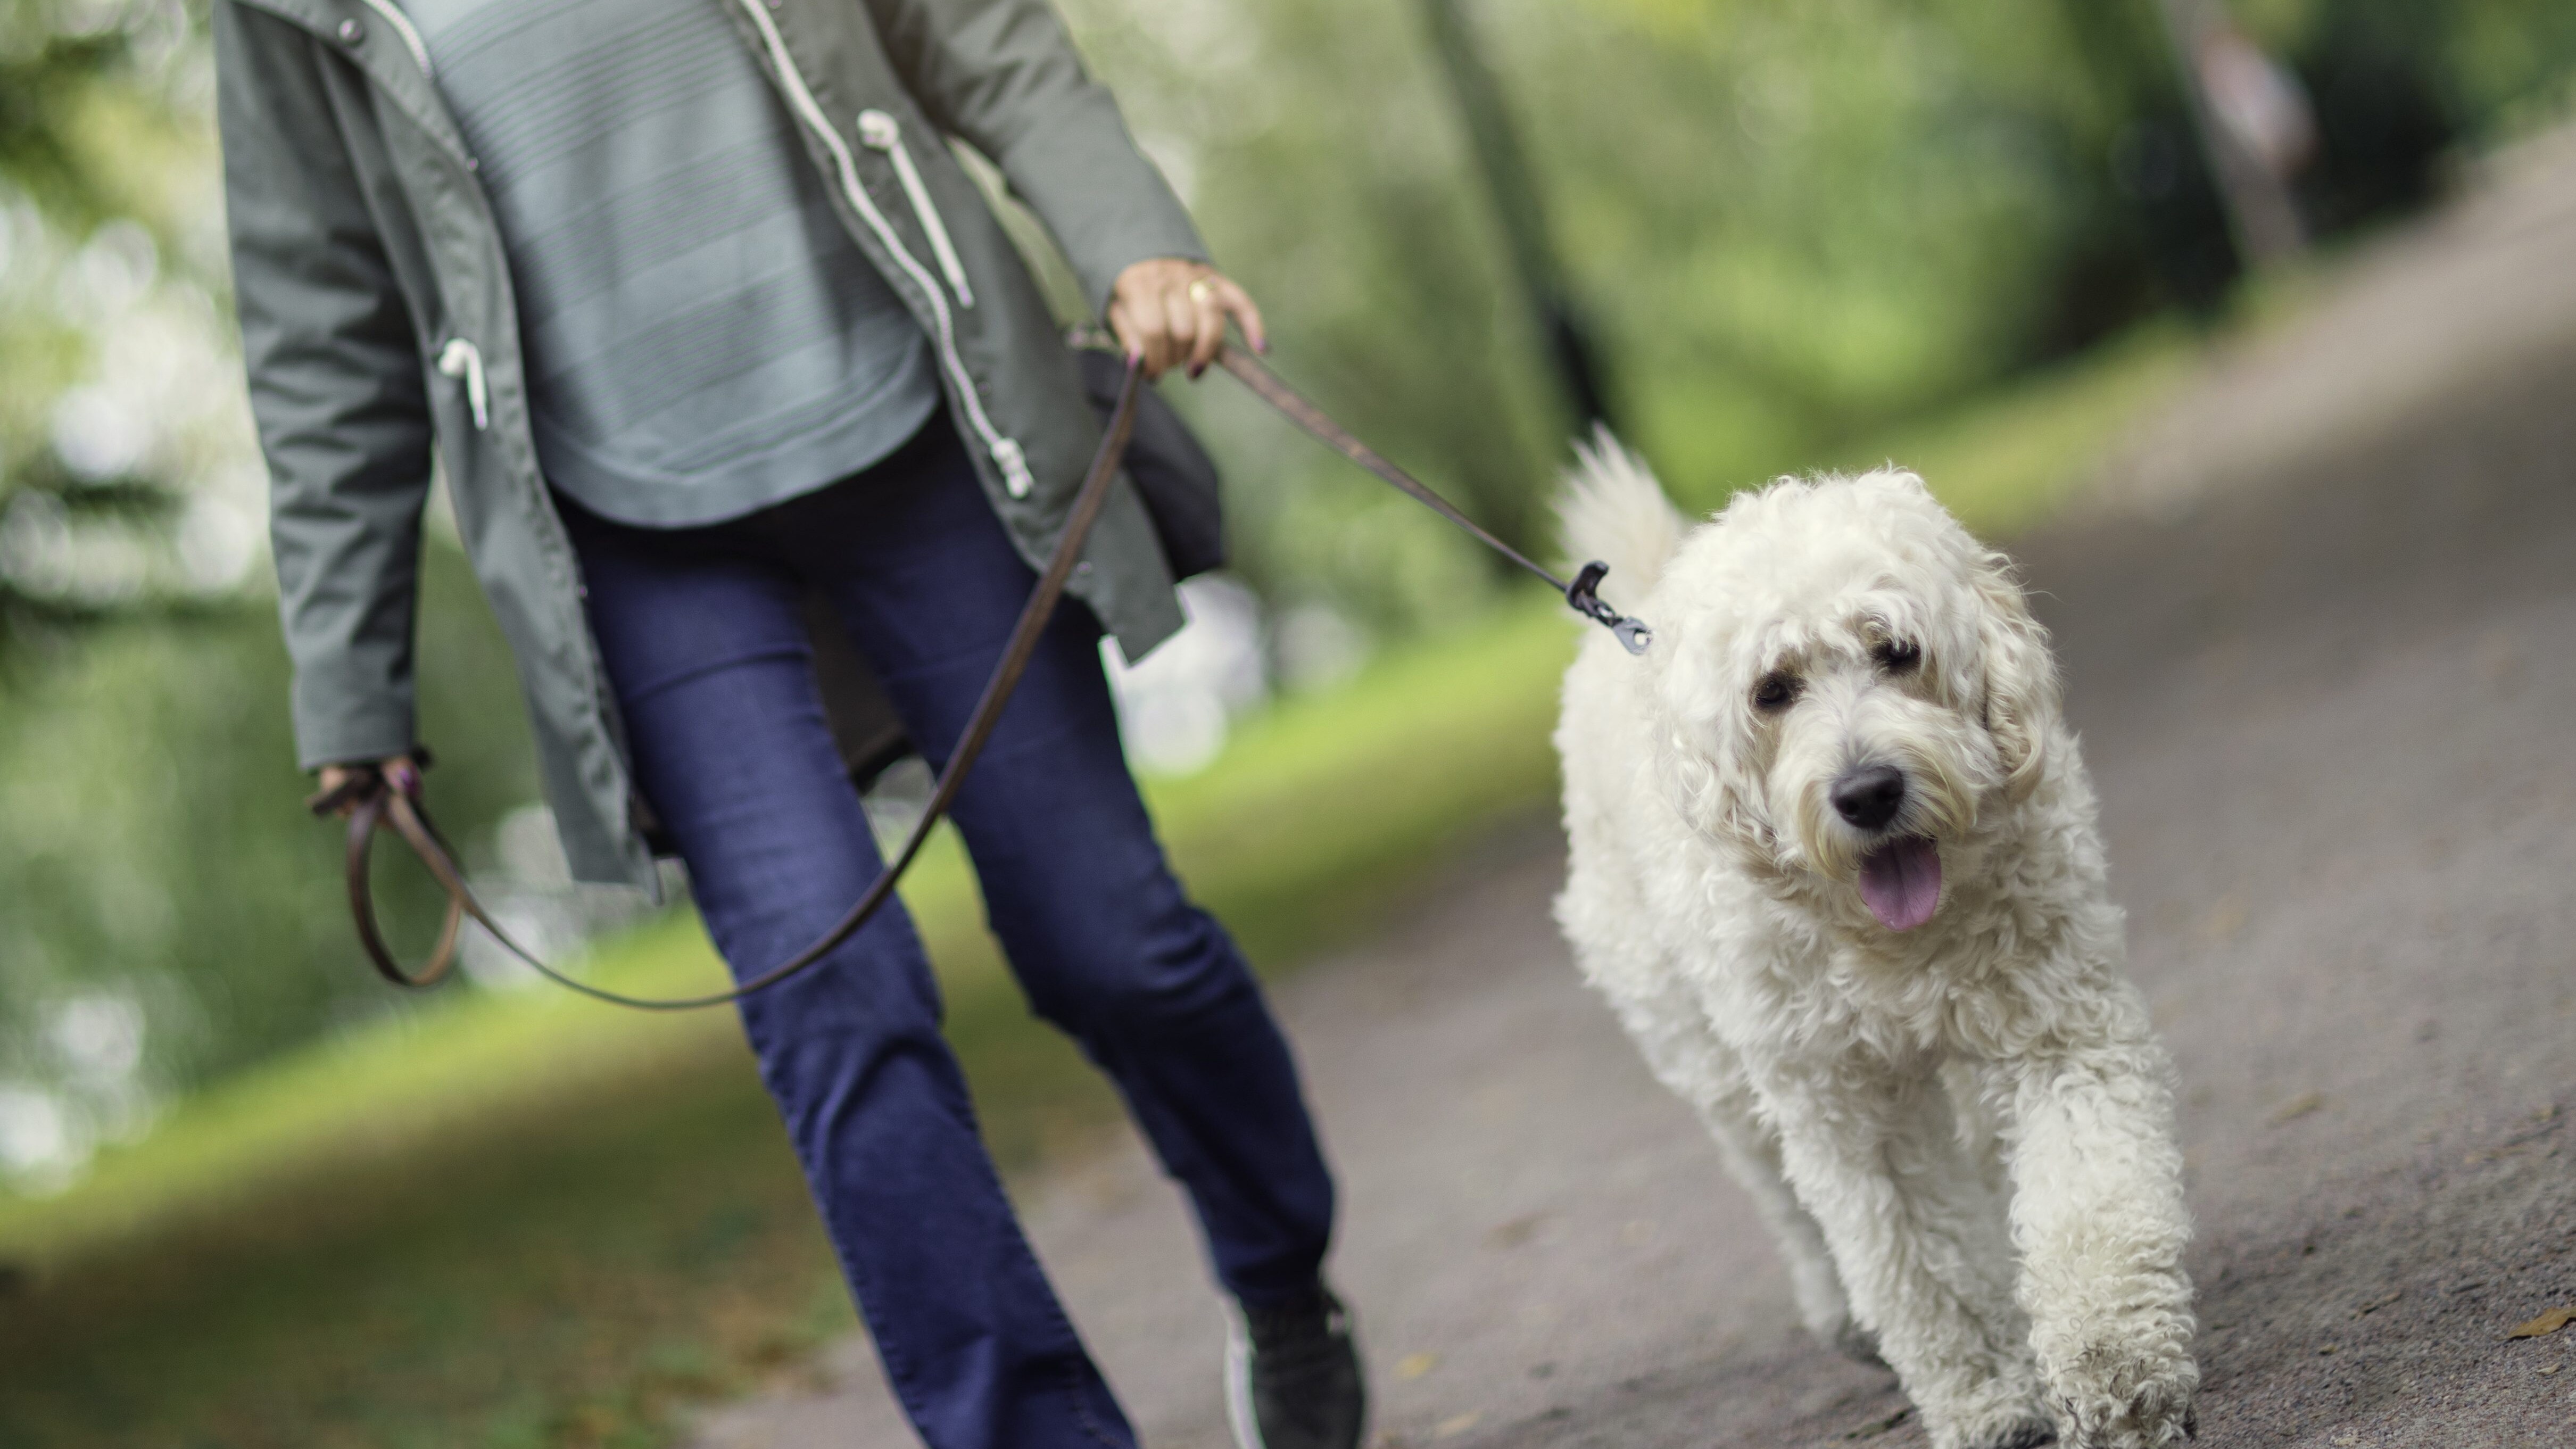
x,y
401,771
1169,313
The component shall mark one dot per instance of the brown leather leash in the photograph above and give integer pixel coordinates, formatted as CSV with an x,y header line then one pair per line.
x,y
390,799
1633,634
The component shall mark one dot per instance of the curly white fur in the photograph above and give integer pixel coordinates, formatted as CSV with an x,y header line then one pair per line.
x,y
1960,1133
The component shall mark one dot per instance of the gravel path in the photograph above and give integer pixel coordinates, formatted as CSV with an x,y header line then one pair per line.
x,y
2320,632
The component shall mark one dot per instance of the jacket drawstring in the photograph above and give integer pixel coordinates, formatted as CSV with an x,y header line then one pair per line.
x,y
879,131
462,359
1006,453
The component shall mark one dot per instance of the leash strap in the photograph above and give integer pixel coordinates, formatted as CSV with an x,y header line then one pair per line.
x,y
1579,592
394,803
379,800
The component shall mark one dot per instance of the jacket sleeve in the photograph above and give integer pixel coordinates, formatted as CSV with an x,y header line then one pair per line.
x,y
1003,75
335,386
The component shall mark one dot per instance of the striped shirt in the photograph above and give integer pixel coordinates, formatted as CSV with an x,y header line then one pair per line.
x,y
702,337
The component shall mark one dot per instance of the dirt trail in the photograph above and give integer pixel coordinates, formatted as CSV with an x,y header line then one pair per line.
x,y
2320,633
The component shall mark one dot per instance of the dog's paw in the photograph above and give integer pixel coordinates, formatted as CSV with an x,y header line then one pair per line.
x,y
2140,1402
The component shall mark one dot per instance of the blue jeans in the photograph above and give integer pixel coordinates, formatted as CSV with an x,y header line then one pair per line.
x,y
703,636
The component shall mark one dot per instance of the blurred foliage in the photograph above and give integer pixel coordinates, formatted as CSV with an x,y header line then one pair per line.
x,y
98,118
1797,223
158,886
1794,223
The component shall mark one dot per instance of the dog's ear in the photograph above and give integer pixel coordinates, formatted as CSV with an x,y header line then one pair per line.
x,y
1704,776
1703,742
2021,704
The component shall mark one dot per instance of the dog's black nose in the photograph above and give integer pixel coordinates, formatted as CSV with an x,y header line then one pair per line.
x,y
1870,796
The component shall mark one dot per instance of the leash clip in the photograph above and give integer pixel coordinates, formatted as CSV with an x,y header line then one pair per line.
x,y
1633,634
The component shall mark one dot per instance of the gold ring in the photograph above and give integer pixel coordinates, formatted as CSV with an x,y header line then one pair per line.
x,y
1200,291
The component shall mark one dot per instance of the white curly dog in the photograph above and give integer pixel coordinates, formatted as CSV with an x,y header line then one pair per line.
x,y
1834,864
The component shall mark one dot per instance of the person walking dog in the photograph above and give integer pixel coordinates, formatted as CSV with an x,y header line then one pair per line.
x,y
700,317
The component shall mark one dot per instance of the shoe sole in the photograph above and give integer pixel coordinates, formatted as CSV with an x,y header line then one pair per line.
x,y
1238,1384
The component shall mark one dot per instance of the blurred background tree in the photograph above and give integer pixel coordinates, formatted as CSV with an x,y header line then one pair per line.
x,y
82,515
1793,224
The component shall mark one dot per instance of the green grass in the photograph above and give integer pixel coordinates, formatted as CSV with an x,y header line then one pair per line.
x,y
526,1219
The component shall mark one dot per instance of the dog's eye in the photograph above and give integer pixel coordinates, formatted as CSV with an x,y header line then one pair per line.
x,y
1774,691
1898,656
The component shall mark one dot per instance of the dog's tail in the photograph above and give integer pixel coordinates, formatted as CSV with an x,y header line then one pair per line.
x,y
1614,510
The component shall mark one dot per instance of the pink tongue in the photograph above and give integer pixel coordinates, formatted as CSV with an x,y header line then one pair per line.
x,y
1900,882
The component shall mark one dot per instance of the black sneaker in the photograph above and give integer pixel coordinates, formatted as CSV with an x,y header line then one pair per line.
x,y
1292,1377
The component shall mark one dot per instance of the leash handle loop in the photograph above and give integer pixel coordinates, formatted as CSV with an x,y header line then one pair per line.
x,y
376,800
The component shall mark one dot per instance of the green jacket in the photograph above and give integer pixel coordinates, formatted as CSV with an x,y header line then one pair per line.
x,y
378,325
